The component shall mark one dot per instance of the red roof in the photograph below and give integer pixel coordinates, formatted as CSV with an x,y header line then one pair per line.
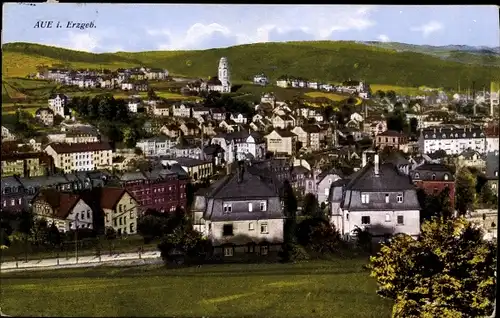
x,y
110,197
61,203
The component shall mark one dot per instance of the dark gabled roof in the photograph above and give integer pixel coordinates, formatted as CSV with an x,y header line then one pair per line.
x,y
391,133
397,159
61,203
80,147
388,179
190,162
255,183
311,129
212,149
285,133
450,132
44,109
332,171
432,172
109,197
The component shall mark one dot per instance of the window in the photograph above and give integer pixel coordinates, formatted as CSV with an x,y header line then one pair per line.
x,y
263,206
250,207
387,198
433,176
228,251
132,229
120,208
365,220
121,221
400,198
12,202
365,198
264,250
327,191
496,173
251,226
347,216
107,218
263,229
114,222
401,220
83,215
125,220
250,248
417,175
445,176
387,217
227,230
227,208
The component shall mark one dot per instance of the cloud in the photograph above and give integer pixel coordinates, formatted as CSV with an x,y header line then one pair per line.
x,y
428,28
383,38
81,41
287,24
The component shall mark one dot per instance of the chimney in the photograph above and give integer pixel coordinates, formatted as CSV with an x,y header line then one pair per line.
x,y
363,162
376,164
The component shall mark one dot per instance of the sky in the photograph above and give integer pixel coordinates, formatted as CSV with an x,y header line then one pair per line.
x,y
148,27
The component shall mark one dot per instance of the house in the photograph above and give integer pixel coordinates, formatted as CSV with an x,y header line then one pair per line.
x,y
196,169
321,184
26,164
433,178
392,139
120,209
452,139
159,188
45,115
156,146
67,211
161,109
374,128
492,134
58,105
492,170
283,121
217,114
378,198
183,148
156,74
7,135
282,142
268,98
239,118
299,176
208,128
399,161
134,105
190,129
261,79
200,111
181,110
240,144
470,158
242,213
127,86
80,156
171,130
214,153
13,194
283,82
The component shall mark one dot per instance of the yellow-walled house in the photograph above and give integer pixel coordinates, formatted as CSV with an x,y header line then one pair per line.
x,y
120,210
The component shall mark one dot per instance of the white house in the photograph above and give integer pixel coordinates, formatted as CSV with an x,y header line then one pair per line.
x,y
157,146
134,105
284,83
378,198
181,110
260,79
452,139
239,118
57,104
241,144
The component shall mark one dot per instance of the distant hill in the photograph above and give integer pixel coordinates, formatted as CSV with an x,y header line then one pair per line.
x,y
331,61
458,53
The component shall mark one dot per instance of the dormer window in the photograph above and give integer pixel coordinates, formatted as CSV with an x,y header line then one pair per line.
x,y
400,198
386,198
463,135
445,176
365,198
228,208
417,175
433,176
433,135
444,135
474,135
456,135
496,173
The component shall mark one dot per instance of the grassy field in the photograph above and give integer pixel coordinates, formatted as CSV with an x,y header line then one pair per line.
x,y
330,61
340,288
331,96
410,91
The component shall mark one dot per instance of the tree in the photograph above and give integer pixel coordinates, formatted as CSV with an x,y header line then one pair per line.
x,y
152,94
39,232
465,184
396,122
487,196
380,94
435,205
413,125
54,236
447,272
364,239
391,95
110,235
26,224
318,235
130,136
311,206
290,210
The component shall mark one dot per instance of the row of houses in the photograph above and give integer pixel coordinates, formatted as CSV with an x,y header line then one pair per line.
x,y
348,87
68,77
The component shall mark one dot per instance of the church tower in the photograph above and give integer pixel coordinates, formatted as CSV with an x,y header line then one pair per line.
x,y
224,75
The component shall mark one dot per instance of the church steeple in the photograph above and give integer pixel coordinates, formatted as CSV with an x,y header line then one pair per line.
x,y
224,75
